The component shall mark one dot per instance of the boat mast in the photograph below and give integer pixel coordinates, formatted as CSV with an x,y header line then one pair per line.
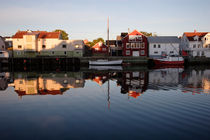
x,y
108,35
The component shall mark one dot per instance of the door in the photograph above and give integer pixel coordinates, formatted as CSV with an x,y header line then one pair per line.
x,y
135,53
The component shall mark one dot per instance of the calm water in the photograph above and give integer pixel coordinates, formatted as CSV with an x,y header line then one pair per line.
x,y
140,104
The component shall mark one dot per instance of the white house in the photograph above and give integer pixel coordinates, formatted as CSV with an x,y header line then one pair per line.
x,y
196,44
42,43
163,45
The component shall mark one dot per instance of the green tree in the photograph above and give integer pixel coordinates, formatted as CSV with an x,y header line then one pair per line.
x,y
147,33
63,34
91,44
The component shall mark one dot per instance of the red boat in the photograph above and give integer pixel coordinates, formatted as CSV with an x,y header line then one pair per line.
x,y
170,61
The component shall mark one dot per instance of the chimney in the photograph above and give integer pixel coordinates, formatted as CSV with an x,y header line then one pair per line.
x,y
195,31
129,30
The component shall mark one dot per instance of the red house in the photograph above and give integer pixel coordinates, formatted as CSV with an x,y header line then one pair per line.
x,y
135,44
100,49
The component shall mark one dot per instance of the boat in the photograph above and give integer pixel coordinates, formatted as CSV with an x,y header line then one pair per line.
x,y
170,60
105,62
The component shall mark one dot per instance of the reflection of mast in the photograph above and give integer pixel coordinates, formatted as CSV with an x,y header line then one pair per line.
x,y
108,99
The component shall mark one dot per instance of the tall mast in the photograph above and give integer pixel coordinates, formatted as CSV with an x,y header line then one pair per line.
x,y
108,34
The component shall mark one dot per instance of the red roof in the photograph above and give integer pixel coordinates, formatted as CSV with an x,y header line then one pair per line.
x,y
99,45
135,32
191,35
41,34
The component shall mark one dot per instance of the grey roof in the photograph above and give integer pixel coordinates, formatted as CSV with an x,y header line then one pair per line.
x,y
163,39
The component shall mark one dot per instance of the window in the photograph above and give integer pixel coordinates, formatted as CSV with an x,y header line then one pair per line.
x,y
203,53
194,46
133,45
154,46
128,52
142,52
53,52
128,45
103,49
43,46
158,45
198,53
18,53
19,46
2,46
77,46
65,52
64,45
137,45
156,52
171,51
199,45
142,45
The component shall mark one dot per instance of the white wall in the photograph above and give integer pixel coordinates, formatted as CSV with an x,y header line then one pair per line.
x,y
164,47
2,44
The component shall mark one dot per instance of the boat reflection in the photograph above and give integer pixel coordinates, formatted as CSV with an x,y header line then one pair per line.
x,y
133,83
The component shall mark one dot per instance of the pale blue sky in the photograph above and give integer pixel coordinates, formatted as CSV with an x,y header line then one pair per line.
x,y
87,19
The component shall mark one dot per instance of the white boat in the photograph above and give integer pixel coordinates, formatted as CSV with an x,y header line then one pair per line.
x,y
104,62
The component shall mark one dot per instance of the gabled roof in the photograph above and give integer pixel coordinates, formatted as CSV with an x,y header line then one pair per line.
x,y
191,35
135,32
99,45
163,39
41,34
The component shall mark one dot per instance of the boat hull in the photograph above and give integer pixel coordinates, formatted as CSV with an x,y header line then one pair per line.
x,y
169,63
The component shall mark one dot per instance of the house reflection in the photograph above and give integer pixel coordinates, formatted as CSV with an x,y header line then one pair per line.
x,y
197,82
46,84
134,83
4,80
165,79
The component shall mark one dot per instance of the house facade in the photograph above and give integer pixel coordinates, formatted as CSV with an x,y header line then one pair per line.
x,y
2,44
163,45
196,44
100,49
135,44
42,43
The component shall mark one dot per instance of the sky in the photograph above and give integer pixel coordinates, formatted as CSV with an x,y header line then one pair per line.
x,y
87,19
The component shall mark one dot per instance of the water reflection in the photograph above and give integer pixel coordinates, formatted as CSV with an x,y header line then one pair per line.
x,y
132,83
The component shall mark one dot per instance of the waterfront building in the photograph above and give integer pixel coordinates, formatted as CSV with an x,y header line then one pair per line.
x,y
100,49
135,44
42,43
163,45
2,44
196,44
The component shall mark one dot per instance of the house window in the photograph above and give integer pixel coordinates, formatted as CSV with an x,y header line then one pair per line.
x,y
155,52
65,52
171,51
142,52
158,45
64,45
203,53
128,52
77,46
19,46
198,53
194,46
127,45
2,46
137,45
43,46
53,52
154,46
133,45
142,45
199,45
18,53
